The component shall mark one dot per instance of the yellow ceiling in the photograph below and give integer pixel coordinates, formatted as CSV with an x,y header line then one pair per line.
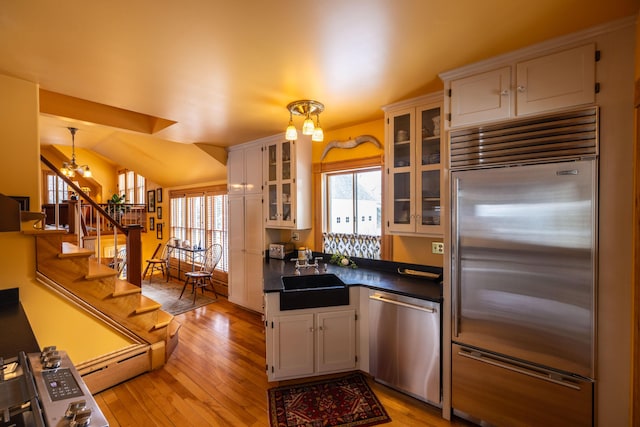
x,y
224,71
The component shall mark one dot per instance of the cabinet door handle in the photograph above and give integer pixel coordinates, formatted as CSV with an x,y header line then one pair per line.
x,y
504,92
521,88
311,329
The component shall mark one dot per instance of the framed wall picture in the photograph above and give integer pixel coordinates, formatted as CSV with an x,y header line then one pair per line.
x,y
151,201
152,223
159,212
159,231
159,195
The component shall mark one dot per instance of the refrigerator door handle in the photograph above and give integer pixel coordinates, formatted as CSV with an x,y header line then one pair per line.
x,y
484,358
455,259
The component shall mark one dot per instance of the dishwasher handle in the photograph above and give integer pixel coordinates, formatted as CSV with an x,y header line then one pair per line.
x,y
402,304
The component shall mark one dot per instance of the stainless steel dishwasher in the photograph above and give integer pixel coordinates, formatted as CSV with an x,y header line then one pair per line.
x,y
404,344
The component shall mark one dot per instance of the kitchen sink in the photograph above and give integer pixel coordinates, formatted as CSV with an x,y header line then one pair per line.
x,y
310,281
312,291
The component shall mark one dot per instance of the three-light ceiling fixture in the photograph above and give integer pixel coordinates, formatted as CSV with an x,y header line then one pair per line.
x,y
70,169
306,108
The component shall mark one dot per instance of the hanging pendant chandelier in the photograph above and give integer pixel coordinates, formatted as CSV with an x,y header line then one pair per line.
x,y
70,169
306,108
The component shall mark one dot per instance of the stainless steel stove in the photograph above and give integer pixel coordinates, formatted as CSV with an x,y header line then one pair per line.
x,y
45,390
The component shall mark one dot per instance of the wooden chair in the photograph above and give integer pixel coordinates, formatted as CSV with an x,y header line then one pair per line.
x,y
199,279
119,262
156,263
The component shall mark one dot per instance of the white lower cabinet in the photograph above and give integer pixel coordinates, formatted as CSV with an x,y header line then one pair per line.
x,y
310,342
293,346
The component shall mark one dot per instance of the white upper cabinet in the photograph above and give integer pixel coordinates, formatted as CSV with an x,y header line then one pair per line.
x,y
287,183
414,160
526,86
244,170
481,97
559,80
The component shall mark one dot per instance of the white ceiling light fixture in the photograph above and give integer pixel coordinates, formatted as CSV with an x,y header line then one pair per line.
x,y
70,169
318,134
306,108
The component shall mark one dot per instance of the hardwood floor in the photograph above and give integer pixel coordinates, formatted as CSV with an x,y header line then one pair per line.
x,y
216,377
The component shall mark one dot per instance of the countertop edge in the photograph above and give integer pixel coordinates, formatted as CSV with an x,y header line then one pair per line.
x,y
368,275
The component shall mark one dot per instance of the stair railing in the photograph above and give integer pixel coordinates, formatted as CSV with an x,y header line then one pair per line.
x,y
97,218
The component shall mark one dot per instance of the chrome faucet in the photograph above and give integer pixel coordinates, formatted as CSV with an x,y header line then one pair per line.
x,y
306,263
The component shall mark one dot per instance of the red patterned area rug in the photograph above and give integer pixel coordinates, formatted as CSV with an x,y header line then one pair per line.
x,y
346,401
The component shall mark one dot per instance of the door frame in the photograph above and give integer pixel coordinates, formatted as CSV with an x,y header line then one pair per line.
x,y
635,285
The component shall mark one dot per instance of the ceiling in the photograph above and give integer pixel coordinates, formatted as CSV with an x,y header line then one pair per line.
x,y
224,71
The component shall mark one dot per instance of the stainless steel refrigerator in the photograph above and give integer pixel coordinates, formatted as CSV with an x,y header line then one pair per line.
x,y
524,249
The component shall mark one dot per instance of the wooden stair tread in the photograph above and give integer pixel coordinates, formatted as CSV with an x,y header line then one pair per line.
x,y
147,305
174,327
122,287
45,231
97,285
164,319
99,271
70,250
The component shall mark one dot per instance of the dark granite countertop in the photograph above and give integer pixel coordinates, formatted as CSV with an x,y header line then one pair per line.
x,y
17,334
379,275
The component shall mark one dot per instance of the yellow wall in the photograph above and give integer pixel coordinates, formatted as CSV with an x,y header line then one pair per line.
x,y
416,250
150,238
77,333
374,128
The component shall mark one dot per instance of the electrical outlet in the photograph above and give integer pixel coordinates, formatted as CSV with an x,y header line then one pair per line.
x,y
295,236
437,248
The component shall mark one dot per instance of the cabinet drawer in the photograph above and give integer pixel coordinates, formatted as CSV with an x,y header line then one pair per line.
x,y
505,394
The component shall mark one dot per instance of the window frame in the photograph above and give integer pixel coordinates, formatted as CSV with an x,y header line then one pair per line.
x,y
137,189
357,224
59,192
221,271
319,198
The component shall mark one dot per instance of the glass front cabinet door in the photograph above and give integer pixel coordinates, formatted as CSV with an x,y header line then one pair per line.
x,y
414,184
280,184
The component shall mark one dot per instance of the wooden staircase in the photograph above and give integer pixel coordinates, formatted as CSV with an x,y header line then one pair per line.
x,y
97,286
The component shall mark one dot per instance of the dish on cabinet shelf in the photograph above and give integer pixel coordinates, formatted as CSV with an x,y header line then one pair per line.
x,y
401,163
432,220
431,159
